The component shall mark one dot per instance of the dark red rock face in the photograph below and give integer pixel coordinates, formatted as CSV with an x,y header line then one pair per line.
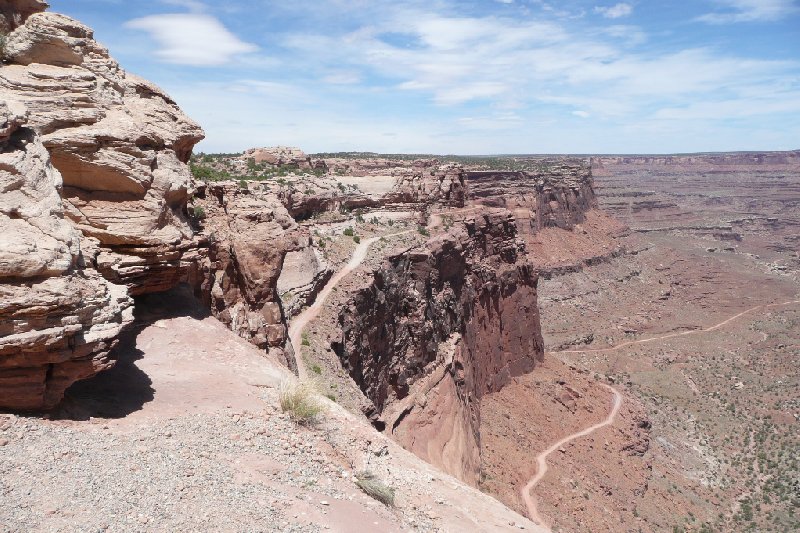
x,y
457,318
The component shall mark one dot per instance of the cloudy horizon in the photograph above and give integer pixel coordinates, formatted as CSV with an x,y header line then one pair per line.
x,y
496,76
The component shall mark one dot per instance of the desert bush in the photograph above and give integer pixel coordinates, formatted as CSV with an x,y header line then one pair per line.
x,y
199,213
422,230
356,239
299,400
348,232
375,488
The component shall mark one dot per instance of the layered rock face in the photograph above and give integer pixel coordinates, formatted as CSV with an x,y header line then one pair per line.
x,y
419,188
438,327
94,194
120,144
559,196
282,156
58,317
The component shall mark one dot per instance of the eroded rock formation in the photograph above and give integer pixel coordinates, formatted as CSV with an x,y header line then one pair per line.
x,y
438,327
58,317
94,194
249,236
120,143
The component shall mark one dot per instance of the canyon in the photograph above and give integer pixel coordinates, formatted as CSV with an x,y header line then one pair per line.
x,y
465,323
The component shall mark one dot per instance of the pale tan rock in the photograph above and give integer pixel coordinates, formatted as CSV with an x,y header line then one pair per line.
x,y
93,194
57,320
279,156
35,240
119,142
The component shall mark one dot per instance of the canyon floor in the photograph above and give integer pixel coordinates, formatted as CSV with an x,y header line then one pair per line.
x,y
697,325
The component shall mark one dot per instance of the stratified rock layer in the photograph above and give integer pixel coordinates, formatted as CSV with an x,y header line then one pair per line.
x,y
58,319
94,186
118,141
438,327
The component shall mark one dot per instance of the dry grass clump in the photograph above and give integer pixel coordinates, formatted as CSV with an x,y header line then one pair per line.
x,y
374,487
300,400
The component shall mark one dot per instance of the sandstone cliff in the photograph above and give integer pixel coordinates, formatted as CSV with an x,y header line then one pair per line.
x,y
249,236
94,195
438,327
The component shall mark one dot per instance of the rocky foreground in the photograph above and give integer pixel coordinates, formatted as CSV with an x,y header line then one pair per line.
x,y
101,213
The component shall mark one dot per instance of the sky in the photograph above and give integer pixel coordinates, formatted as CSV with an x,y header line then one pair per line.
x,y
468,77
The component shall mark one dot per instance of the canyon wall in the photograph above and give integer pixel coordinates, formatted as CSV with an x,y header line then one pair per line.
x,y
558,196
438,327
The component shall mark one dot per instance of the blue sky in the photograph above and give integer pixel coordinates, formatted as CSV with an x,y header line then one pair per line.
x,y
468,77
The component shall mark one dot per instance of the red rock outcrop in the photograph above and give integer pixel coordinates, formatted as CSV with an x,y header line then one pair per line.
x,y
94,193
559,195
438,327
248,236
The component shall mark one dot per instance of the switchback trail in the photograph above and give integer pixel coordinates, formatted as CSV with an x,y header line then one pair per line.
x,y
300,322
541,459
681,333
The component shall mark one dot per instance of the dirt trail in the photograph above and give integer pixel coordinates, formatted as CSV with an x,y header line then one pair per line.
x,y
300,322
541,459
681,333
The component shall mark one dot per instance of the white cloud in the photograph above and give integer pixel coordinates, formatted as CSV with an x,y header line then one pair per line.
x,y
192,39
750,11
616,11
192,5
414,77
342,78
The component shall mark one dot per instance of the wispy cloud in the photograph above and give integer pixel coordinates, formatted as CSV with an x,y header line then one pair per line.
x,y
616,11
192,5
750,11
192,39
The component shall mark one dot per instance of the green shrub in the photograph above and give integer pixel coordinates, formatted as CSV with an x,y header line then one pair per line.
x,y
356,239
242,184
316,369
422,230
348,232
299,400
375,488
305,341
199,213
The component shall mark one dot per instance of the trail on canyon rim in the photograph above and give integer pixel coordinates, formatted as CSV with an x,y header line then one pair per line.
x,y
681,333
541,459
302,320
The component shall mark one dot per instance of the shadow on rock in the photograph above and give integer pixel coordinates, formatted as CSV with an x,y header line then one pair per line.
x,y
125,388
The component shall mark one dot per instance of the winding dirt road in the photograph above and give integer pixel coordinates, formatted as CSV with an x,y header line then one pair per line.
x,y
311,312
541,459
681,333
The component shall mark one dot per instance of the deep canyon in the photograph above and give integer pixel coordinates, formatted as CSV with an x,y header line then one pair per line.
x,y
147,295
